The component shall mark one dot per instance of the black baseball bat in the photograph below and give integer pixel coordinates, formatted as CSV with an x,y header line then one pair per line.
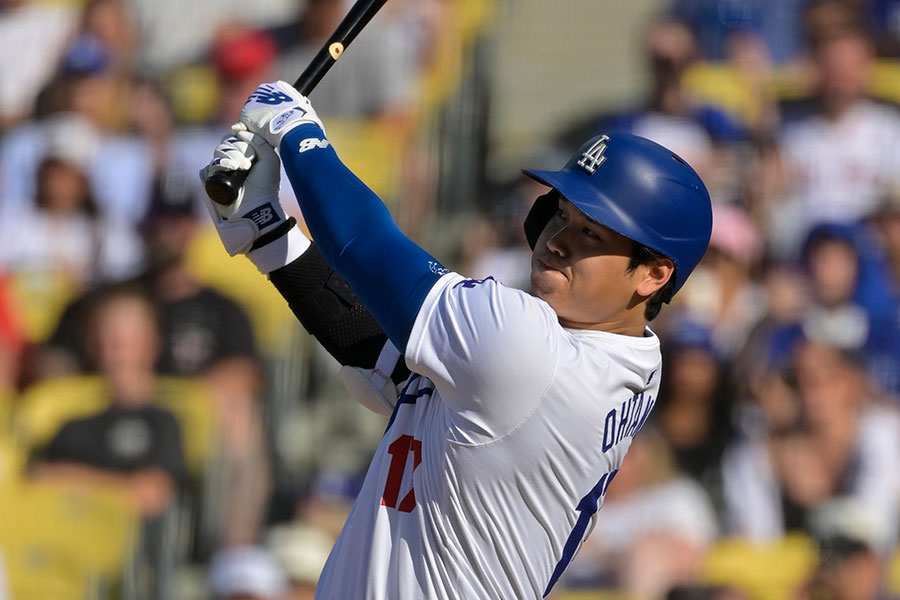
x,y
222,187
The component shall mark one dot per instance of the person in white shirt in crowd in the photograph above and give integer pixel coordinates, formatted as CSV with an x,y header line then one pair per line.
x,y
841,156
61,230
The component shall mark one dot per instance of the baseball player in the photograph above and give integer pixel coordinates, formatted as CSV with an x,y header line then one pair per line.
x,y
514,410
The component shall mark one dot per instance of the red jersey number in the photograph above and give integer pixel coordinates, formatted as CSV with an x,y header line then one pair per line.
x,y
400,450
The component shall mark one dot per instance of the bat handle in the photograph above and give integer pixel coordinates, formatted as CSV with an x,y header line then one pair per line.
x,y
222,187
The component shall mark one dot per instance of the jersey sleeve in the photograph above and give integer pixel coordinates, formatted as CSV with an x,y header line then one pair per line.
x,y
491,351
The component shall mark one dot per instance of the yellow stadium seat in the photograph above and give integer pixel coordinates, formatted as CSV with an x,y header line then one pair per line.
x,y
885,83
724,86
62,541
44,407
7,398
12,462
373,150
189,400
238,279
11,458
770,571
721,84
195,92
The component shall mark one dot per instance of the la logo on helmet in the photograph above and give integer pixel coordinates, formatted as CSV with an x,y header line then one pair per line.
x,y
593,156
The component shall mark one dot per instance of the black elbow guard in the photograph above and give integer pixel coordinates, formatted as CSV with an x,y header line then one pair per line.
x,y
329,310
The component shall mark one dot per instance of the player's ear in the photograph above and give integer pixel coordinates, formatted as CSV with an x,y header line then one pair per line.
x,y
654,276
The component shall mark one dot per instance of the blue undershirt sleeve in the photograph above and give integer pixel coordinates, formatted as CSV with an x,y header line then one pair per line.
x,y
352,227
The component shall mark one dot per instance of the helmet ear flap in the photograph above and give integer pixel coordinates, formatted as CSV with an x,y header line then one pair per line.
x,y
541,211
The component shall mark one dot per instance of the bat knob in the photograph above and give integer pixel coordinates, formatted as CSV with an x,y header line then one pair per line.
x,y
222,187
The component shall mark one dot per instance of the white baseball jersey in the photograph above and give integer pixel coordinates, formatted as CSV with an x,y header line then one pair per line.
x,y
499,452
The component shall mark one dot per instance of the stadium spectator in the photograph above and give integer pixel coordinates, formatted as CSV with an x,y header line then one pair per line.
x,y
113,25
204,334
63,228
133,126
60,242
702,134
131,443
853,304
823,19
840,151
693,414
850,566
777,25
824,434
726,297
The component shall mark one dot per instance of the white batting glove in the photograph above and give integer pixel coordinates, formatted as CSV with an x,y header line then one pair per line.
x,y
274,109
255,224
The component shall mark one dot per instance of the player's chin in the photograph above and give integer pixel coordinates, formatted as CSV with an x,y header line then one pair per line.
x,y
547,284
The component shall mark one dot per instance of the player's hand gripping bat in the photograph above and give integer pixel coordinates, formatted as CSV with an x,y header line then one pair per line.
x,y
222,187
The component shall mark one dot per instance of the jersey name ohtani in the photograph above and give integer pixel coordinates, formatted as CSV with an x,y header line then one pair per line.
x,y
627,419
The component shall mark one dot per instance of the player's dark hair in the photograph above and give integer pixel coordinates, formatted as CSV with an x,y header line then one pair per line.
x,y
642,255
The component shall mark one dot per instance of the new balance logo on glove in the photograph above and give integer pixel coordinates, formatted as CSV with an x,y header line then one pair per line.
x,y
268,94
262,216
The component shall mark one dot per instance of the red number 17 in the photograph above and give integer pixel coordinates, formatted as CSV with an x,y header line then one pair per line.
x,y
399,451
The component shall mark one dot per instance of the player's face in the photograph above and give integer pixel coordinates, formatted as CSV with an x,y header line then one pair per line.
x,y
580,268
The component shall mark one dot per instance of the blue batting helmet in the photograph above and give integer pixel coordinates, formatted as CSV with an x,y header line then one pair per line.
x,y
637,188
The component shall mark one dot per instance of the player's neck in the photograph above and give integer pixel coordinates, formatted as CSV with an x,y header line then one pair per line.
x,y
629,323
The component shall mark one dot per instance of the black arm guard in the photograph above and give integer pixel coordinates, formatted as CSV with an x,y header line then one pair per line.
x,y
329,310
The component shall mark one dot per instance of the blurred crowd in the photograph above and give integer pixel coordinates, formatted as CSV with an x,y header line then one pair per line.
x,y
145,374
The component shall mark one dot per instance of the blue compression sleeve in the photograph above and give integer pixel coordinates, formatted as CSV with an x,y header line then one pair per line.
x,y
356,234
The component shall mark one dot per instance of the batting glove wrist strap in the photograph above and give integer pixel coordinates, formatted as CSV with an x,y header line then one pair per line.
x,y
272,235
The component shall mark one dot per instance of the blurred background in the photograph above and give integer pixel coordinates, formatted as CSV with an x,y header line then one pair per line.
x,y
167,429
